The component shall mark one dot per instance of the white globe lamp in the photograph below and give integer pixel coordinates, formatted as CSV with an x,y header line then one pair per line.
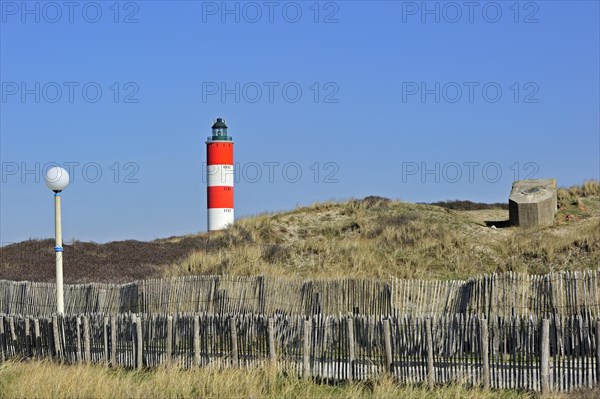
x,y
57,179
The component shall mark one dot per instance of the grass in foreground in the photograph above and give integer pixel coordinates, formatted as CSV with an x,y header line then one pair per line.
x,y
43,379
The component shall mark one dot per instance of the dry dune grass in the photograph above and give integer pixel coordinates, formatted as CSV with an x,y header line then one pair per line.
x,y
380,238
371,237
589,188
41,379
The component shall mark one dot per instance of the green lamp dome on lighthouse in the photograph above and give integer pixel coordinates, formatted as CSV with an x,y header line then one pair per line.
x,y
219,129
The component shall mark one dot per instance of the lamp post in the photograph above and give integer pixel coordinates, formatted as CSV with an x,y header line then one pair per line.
x,y
57,180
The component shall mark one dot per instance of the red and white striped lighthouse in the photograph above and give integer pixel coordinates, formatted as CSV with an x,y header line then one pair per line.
x,y
219,175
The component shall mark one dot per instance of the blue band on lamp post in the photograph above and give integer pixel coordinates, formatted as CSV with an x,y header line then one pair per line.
x,y
58,249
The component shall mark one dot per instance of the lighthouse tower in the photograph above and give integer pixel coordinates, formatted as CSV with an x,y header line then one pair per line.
x,y
219,175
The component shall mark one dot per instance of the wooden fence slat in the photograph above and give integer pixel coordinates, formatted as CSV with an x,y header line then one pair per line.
x,y
139,358
13,334
485,359
387,337
57,351
113,340
37,337
306,349
271,332
430,370
598,352
27,337
87,340
234,342
169,345
2,339
105,338
350,327
545,356
79,348
197,341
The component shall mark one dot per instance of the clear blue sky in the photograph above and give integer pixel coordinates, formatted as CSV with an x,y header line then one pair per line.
x,y
477,95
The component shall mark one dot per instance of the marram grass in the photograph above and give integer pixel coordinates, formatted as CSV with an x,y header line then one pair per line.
x,y
44,379
368,238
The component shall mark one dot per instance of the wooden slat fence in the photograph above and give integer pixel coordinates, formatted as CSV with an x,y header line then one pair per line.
x,y
414,349
505,294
